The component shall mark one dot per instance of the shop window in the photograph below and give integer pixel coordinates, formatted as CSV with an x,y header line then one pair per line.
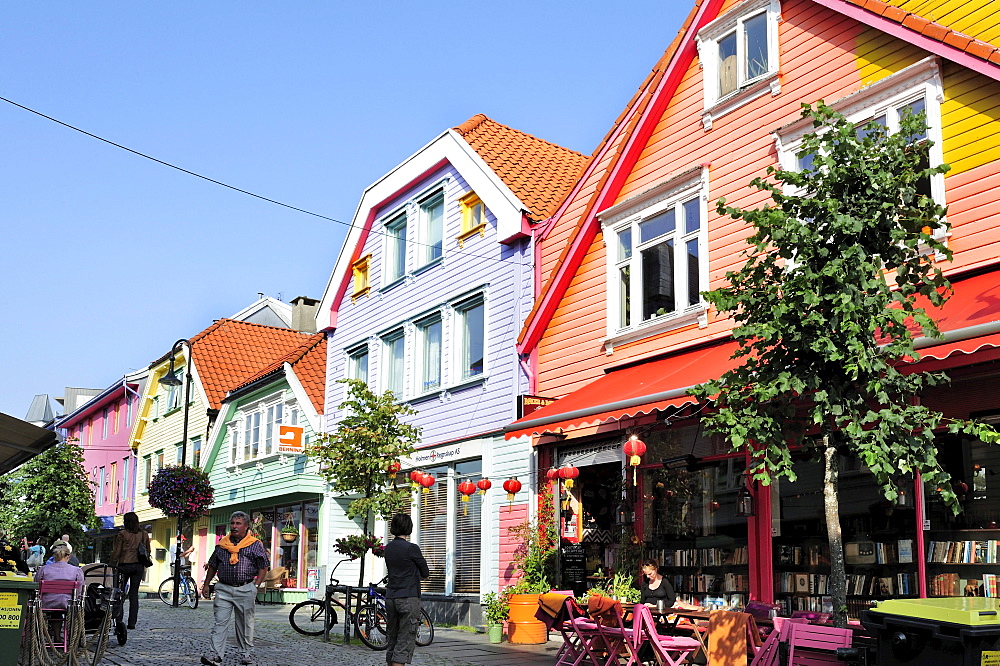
x,y
962,551
878,534
289,542
450,544
310,536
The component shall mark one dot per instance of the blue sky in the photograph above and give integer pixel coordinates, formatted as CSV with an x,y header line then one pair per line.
x,y
107,258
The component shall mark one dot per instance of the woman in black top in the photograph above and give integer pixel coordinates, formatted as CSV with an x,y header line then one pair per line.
x,y
407,566
656,586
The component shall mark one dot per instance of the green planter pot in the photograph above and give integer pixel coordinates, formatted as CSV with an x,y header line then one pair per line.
x,y
496,633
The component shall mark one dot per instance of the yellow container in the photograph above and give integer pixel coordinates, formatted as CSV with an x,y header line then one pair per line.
x,y
971,611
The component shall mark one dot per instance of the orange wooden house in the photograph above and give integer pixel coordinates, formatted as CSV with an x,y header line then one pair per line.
x,y
619,332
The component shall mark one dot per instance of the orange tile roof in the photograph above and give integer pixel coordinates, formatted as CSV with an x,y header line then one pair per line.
x,y
309,363
229,353
538,172
931,29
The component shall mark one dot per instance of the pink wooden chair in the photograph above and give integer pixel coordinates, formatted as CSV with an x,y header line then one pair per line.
x,y
581,638
813,645
767,654
59,616
670,650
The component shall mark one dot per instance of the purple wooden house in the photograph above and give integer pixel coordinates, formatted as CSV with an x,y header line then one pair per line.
x,y
427,298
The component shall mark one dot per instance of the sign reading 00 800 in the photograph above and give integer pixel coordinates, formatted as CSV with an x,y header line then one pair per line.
x,y
10,611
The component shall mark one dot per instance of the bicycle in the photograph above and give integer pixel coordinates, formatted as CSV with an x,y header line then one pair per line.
x,y
187,589
314,617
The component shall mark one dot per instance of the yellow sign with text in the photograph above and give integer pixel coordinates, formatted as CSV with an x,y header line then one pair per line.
x,y
290,439
10,611
990,658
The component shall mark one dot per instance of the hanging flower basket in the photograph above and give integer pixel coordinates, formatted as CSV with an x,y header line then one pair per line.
x,y
289,534
181,491
355,545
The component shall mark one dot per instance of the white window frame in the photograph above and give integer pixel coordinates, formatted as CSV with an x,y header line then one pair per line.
x,y
175,394
352,356
387,340
747,88
420,379
672,193
104,427
424,236
254,415
459,351
920,80
100,487
398,219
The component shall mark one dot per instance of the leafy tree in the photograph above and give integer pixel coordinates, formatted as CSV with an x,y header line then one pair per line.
x,y
51,495
355,457
828,305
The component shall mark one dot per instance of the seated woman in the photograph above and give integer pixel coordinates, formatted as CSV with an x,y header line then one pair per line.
x,y
656,587
60,569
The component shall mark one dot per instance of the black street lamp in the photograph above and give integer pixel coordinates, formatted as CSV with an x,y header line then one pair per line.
x,y
171,379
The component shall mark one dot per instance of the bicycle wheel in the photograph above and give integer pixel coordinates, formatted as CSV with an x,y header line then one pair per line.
x,y
425,630
167,591
307,617
370,624
191,589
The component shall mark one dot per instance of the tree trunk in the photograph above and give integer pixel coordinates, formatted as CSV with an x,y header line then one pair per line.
x,y
831,505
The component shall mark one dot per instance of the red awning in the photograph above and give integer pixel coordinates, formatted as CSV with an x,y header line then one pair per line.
x,y
970,320
629,392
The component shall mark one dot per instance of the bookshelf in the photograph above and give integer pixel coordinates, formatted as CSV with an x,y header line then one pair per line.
x,y
962,563
706,575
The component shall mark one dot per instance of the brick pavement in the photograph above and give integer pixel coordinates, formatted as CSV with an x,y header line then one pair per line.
x,y
167,636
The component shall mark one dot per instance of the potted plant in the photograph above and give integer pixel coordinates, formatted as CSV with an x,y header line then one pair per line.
x,y
496,610
289,533
623,589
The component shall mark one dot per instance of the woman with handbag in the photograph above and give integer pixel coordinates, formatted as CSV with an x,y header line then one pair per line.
x,y
130,554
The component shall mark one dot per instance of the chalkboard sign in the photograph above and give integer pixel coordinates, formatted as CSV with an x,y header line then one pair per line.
x,y
574,561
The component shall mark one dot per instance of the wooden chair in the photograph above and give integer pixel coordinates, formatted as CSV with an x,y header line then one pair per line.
x,y
579,637
669,650
271,584
769,652
813,645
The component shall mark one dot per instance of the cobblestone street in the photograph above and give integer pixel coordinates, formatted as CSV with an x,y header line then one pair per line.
x,y
166,636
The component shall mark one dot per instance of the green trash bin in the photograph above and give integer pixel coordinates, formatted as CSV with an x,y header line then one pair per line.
x,y
15,592
953,631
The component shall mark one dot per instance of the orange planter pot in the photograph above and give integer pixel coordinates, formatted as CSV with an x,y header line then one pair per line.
x,y
522,626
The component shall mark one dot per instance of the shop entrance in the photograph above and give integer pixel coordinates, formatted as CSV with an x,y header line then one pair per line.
x,y
588,531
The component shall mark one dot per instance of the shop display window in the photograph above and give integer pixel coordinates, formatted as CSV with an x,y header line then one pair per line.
x,y
961,550
878,534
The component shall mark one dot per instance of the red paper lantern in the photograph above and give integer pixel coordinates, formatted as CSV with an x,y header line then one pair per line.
x,y
552,474
415,475
634,448
567,474
484,485
466,488
393,469
512,486
427,480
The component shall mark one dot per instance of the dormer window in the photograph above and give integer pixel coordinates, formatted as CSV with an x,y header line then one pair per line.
x,y
739,50
362,282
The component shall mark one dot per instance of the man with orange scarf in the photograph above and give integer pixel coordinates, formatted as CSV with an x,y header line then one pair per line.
x,y
241,562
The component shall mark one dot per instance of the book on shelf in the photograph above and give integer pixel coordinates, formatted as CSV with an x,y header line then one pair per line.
x,y
963,552
700,557
904,548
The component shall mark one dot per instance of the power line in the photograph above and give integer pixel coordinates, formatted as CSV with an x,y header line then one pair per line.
x,y
227,185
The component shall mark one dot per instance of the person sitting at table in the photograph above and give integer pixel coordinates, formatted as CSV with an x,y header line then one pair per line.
x,y
656,587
